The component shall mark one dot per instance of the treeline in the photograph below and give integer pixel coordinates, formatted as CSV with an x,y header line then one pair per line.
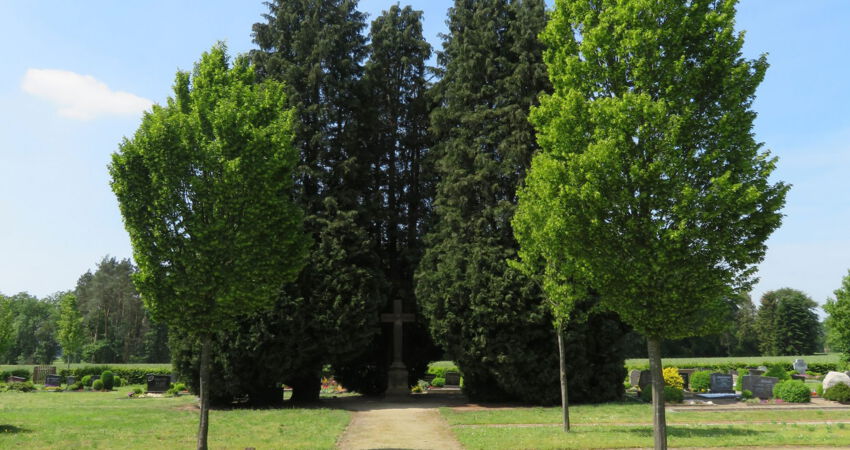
x,y
101,321
784,323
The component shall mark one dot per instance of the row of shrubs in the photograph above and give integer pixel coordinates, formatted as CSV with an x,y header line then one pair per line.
x,y
127,375
21,373
814,368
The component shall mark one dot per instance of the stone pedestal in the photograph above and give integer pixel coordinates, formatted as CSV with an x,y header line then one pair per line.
x,y
397,381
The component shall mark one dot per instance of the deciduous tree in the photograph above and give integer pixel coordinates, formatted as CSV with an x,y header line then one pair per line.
x,y
650,188
71,330
205,189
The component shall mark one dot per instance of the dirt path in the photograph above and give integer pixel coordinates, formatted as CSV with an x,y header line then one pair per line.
x,y
398,424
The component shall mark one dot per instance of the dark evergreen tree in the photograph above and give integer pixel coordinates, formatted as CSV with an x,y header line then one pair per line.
x,y
788,324
490,318
395,126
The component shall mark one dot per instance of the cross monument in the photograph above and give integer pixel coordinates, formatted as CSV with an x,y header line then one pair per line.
x,y
397,377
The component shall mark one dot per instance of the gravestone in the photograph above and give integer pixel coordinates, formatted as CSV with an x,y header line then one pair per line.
x,y
452,379
397,373
39,373
158,383
833,378
53,380
800,366
761,387
70,380
429,377
686,379
634,377
14,379
645,379
721,383
756,371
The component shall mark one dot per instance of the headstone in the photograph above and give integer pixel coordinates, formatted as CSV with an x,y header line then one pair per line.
x,y
70,380
800,366
429,377
634,377
39,373
756,371
721,383
686,379
53,380
452,379
14,379
645,379
397,373
158,383
761,387
833,378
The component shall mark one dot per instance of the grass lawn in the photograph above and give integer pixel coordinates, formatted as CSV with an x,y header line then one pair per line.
x,y
112,420
630,425
61,365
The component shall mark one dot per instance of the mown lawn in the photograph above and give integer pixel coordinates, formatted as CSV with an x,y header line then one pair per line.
x,y
42,420
630,425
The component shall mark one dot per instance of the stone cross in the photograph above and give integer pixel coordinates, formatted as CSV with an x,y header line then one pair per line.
x,y
397,318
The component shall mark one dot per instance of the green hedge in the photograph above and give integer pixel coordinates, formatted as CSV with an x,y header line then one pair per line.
x,y
130,375
821,368
23,373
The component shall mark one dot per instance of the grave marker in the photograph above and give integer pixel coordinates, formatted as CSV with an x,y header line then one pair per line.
x,y
645,379
397,377
800,366
52,380
761,387
452,379
158,383
634,377
721,383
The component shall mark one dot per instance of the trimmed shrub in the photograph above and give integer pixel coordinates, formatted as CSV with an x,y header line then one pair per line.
x,y
792,391
438,382
672,378
777,371
700,381
819,389
134,375
671,394
97,385
137,391
86,380
838,393
118,382
746,394
108,379
76,386
21,386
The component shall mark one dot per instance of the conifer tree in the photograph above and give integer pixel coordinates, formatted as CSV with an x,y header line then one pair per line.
x,y
490,318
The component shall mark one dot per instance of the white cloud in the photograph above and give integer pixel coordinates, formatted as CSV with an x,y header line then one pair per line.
x,y
81,97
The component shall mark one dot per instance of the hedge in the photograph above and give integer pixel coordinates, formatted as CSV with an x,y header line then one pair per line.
x,y
822,368
131,376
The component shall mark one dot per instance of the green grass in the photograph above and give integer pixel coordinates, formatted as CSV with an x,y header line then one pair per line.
x,y
629,425
112,420
641,436
749,360
630,413
60,365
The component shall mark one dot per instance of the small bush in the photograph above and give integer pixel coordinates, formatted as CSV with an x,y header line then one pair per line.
x,y
86,381
76,386
21,386
416,389
137,391
746,394
180,387
108,379
627,385
819,390
792,391
97,385
672,378
438,382
118,382
700,381
671,394
777,371
838,393
172,392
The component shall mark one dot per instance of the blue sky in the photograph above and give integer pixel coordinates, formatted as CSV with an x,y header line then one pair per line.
x,y
76,74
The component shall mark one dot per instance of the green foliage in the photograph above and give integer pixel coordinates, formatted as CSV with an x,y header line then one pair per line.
x,y
118,382
838,320
21,373
76,386
108,379
33,325
7,325
20,386
792,391
671,394
137,391
787,323
778,371
819,389
746,394
439,371
132,375
438,382
700,381
86,380
672,377
98,385
71,330
838,393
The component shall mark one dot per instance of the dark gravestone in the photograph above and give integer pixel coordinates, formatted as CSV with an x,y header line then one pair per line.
x,y
158,383
429,377
761,387
645,379
721,383
53,380
452,379
686,378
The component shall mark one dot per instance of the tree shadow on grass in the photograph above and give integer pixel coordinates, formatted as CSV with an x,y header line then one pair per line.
x,y
13,429
692,432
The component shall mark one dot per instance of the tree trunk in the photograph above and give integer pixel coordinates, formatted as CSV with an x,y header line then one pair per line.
x,y
204,425
659,422
565,403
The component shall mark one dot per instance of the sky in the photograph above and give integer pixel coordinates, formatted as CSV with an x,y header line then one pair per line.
x,y
76,77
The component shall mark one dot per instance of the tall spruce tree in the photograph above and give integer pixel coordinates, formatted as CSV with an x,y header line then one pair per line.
x,y
395,127
490,318
331,312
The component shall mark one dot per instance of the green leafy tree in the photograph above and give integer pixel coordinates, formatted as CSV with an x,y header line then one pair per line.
x,y
34,329
837,323
205,190
649,186
71,330
788,324
7,325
